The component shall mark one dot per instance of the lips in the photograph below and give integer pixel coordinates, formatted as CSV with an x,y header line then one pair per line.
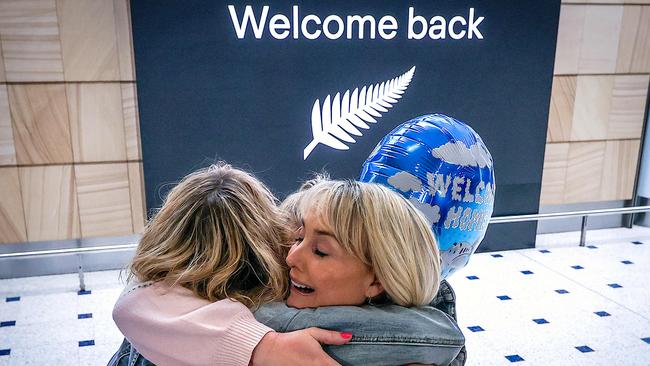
x,y
301,287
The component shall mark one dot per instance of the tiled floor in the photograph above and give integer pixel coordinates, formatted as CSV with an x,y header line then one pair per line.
x,y
557,304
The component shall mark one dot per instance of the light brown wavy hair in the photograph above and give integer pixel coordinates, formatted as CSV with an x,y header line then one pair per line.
x,y
220,234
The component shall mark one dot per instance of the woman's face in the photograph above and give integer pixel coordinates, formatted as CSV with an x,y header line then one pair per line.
x,y
322,273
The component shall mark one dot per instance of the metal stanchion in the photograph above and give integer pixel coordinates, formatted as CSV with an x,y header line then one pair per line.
x,y
82,284
583,231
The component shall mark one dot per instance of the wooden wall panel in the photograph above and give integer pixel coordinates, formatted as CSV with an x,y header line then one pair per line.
x,y
50,202
600,37
634,44
560,117
124,39
569,38
29,37
12,219
40,122
131,122
584,171
554,174
96,122
104,199
3,78
628,106
592,106
88,40
7,148
619,169
136,189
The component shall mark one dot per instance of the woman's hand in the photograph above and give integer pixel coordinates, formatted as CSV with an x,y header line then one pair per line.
x,y
302,347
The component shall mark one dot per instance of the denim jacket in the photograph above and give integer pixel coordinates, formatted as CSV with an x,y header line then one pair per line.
x,y
382,335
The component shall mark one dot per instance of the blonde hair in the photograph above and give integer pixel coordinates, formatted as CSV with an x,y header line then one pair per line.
x,y
384,231
219,234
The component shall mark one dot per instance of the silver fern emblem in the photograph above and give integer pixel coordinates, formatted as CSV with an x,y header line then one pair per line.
x,y
342,117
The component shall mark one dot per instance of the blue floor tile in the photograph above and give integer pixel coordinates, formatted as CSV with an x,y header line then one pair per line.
x,y
10,323
527,272
84,292
5,352
540,321
584,349
472,277
84,316
577,267
592,247
504,297
636,242
627,262
87,343
614,285
11,299
476,328
602,313
544,251
514,358
646,340
562,291
497,255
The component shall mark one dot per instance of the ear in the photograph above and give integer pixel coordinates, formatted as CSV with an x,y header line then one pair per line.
x,y
375,289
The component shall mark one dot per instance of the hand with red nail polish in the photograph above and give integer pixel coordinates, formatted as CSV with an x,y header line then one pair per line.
x,y
302,347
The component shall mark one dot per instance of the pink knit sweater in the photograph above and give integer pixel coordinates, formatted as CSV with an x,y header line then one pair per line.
x,y
168,324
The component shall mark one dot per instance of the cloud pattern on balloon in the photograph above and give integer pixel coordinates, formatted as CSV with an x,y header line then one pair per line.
x,y
405,182
458,153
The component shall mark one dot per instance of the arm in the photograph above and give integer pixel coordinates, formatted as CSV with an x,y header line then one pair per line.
x,y
171,326
166,324
385,335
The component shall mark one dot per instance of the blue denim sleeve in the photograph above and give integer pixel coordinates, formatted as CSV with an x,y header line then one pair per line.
x,y
382,335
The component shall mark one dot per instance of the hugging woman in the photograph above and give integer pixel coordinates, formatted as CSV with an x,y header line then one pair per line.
x,y
215,251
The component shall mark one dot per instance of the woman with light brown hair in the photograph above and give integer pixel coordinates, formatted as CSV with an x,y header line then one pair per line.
x,y
216,249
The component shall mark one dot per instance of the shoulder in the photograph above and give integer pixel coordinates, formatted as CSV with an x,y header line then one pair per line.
x,y
159,301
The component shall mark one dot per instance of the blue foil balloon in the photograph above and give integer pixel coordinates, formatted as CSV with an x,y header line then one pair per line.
x,y
441,166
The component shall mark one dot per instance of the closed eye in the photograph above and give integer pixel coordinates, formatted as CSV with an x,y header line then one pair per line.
x,y
319,253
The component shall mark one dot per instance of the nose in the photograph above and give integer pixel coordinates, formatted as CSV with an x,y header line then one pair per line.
x,y
294,258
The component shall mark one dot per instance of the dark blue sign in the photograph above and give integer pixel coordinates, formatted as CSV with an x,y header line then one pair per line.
x,y
286,88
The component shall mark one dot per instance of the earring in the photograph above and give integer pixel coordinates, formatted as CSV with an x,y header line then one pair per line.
x,y
369,301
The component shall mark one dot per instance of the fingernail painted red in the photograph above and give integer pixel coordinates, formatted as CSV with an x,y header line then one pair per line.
x,y
346,335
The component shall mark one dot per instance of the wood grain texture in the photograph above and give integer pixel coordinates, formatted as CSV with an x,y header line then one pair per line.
x,y
634,44
600,37
627,106
619,170
554,174
584,171
40,122
592,107
29,37
104,200
563,94
96,122
131,122
7,148
136,189
12,219
124,39
88,40
50,202
3,78
569,39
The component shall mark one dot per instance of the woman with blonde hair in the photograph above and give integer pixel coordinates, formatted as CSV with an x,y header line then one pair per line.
x,y
358,242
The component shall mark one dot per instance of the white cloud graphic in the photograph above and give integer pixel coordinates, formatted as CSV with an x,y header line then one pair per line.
x,y
405,182
432,213
457,153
